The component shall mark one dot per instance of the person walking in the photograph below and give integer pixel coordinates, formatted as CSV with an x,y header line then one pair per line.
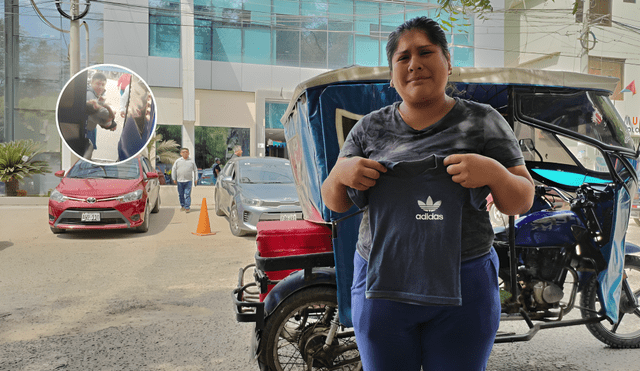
x,y
216,170
425,282
184,172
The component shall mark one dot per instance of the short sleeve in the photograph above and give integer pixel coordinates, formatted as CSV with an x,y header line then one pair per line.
x,y
501,143
352,146
359,198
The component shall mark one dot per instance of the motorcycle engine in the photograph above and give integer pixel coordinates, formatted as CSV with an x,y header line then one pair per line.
x,y
540,269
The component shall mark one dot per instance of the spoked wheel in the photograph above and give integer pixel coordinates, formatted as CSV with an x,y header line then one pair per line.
x,y
294,335
625,333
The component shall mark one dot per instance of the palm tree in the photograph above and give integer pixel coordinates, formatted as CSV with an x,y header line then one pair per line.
x,y
166,151
17,161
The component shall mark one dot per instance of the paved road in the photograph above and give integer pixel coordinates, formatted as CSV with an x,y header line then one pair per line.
x,y
161,301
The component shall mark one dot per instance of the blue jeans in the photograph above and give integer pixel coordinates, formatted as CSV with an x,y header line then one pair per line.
x,y
184,192
398,336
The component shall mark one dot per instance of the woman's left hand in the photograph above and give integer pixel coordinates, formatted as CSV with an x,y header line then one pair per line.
x,y
471,170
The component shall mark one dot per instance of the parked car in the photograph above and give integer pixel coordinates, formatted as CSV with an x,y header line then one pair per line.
x,y
251,189
207,177
92,196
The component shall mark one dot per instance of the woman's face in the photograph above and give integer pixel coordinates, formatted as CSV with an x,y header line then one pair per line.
x,y
420,68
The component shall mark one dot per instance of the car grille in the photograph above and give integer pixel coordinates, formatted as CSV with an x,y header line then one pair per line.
x,y
107,217
245,216
279,203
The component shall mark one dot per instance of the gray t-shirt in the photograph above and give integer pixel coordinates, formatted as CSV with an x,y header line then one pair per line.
x,y
469,127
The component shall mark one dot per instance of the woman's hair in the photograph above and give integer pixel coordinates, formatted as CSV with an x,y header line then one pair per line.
x,y
427,25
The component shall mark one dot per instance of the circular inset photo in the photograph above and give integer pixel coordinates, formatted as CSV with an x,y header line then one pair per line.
x,y
106,114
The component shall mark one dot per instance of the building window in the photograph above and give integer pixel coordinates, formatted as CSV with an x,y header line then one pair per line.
x,y
313,34
609,67
599,13
273,112
164,28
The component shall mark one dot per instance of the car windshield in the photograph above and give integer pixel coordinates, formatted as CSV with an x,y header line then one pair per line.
x,y
265,173
86,170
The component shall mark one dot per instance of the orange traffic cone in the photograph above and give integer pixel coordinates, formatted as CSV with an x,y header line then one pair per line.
x,y
204,229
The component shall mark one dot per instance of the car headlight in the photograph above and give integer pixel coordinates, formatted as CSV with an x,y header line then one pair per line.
x,y
132,196
57,196
251,201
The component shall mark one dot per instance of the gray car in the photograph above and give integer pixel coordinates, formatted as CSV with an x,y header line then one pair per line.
x,y
251,189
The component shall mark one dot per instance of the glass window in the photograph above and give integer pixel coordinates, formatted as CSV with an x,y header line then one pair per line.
x,y
340,38
313,35
367,27
203,24
273,112
287,41
86,170
586,113
164,28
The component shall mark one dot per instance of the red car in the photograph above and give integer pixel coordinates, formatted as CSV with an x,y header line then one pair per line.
x,y
93,196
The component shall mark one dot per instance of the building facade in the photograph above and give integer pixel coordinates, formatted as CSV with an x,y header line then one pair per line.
x,y
216,68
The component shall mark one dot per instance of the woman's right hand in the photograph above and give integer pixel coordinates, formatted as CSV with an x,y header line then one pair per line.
x,y
358,172
355,172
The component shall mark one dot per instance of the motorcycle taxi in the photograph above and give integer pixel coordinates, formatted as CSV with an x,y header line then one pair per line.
x,y
576,147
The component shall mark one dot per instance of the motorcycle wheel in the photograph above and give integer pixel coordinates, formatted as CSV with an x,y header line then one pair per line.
x,y
293,324
626,333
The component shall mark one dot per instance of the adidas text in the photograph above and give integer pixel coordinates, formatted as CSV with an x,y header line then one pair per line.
x,y
427,216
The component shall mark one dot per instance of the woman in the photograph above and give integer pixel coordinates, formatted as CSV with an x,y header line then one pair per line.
x,y
425,291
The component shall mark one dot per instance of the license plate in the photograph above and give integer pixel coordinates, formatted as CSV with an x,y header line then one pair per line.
x,y
284,217
90,217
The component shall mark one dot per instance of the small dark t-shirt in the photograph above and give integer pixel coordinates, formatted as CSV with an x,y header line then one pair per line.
x,y
415,213
469,127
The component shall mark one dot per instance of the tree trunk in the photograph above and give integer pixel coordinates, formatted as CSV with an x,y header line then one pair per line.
x,y
11,187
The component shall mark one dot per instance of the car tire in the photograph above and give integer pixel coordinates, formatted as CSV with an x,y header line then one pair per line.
x,y
219,211
56,230
156,207
234,222
144,227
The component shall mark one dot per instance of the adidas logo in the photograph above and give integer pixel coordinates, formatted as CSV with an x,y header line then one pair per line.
x,y
429,206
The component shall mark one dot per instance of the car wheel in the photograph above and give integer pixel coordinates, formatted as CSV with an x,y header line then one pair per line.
x,y
156,207
219,211
56,230
234,222
144,227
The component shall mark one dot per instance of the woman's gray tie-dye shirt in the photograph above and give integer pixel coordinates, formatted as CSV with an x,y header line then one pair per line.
x,y
469,127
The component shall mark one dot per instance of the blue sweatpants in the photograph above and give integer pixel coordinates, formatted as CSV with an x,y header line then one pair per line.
x,y
398,336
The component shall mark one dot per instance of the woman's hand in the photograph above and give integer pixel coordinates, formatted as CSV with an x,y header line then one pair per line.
x,y
471,170
512,188
355,172
358,172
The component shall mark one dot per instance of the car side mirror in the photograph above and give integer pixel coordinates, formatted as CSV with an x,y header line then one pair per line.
x,y
226,179
152,175
59,173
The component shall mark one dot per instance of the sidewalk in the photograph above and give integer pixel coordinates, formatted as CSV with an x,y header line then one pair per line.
x,y
168,197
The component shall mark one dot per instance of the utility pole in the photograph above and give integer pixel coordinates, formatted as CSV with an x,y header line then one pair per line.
x,y
584,36
74,39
